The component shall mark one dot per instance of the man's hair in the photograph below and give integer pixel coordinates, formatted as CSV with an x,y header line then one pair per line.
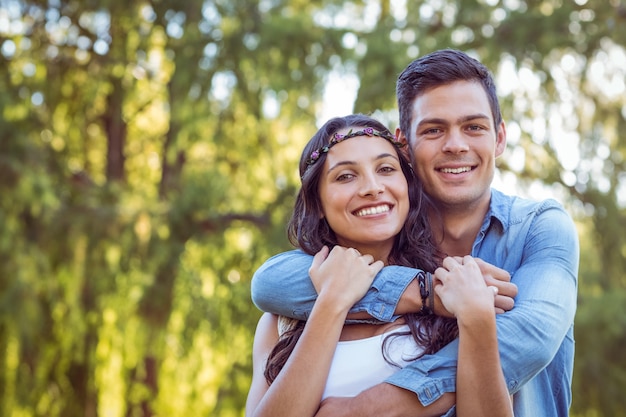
x,y
441,68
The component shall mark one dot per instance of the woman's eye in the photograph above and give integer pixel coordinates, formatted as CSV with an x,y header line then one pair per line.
x,y
345,177
387,169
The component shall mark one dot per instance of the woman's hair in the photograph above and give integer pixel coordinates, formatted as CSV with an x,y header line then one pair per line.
x,y
414,246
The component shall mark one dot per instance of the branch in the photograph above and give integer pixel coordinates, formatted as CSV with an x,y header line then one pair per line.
x,y
222,222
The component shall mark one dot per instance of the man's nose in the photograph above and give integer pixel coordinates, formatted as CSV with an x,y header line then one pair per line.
x,y
455,142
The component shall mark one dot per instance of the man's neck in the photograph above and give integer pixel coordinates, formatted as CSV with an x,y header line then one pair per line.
x,y
456,230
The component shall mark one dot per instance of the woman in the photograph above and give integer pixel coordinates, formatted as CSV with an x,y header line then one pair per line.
x,y
359,192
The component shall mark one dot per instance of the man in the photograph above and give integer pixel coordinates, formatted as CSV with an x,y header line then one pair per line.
x,y
450,117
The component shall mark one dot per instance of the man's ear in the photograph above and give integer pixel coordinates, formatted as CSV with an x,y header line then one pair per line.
x,y
500,139
401,137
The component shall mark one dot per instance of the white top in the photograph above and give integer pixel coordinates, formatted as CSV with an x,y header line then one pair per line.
x,y
359,364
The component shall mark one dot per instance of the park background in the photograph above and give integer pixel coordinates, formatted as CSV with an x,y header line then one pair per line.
x,y
148,154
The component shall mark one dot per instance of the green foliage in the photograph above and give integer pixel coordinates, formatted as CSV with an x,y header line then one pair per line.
x,y
148,155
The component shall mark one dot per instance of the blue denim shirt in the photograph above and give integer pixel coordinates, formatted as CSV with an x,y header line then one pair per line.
x,y
537,243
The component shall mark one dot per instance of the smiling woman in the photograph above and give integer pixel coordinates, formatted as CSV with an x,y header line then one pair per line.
x,y
329,164
364,194
360,198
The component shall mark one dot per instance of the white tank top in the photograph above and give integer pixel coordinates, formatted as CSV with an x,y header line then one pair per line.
x,y
359,364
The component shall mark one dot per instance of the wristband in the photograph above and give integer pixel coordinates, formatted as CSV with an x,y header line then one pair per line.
x,y
431,292
422,280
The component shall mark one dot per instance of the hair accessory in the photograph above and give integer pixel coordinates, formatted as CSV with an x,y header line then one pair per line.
x,y
337,137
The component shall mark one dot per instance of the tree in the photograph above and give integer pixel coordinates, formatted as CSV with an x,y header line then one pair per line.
x,y
147,168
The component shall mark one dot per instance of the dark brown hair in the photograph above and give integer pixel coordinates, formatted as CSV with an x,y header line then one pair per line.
x,y
441,68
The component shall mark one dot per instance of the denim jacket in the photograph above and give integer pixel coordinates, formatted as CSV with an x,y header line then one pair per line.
x,y
537,243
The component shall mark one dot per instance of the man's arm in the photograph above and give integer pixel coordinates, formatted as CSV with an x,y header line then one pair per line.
x,y
373,402
282,286
528,336
532,333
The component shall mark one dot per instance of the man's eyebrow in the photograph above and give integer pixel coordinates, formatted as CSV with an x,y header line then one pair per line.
x,y
348,162
442,121
471,117
433,121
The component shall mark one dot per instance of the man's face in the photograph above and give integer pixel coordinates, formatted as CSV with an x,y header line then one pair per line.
x,y
455,144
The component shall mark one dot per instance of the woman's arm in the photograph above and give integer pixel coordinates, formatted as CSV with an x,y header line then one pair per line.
x,y
298,388
480,386
265,338
342,277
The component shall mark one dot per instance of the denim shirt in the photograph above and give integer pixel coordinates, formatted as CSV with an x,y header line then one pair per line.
x,y
537,243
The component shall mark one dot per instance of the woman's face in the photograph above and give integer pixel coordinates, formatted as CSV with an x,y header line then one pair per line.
x,y
364,194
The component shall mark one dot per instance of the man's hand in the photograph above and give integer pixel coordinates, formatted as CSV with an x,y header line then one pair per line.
x,y
500,279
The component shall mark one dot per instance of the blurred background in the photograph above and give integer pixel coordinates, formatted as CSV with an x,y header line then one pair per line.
x,y
148,166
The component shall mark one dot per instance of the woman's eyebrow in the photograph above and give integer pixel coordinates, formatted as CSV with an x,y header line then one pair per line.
x,y
348,162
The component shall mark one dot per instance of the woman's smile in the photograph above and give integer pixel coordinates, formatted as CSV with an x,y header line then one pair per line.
x,y
364,194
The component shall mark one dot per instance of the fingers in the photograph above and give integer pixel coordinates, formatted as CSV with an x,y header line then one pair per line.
x,y
459,268
375,267
369,259
505,288
319,258
501,279
504,303
493,271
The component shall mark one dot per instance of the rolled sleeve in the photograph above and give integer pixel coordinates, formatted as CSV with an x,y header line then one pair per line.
x,y
282,286
382,298
431,376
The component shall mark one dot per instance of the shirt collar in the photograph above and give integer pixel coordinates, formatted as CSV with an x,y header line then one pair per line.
x,y
499,209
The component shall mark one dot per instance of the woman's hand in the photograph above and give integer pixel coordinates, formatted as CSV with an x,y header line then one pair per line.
x,y
343,274
460,285
492,277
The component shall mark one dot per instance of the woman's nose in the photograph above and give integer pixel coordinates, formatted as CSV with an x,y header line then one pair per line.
x,y
372,186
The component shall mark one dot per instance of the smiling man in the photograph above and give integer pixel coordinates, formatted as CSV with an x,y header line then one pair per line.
x,y
450,117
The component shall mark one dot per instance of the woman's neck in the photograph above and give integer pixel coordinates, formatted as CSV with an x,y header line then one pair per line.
x,y
380,252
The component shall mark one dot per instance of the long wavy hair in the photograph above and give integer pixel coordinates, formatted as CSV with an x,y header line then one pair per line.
x,y
414,246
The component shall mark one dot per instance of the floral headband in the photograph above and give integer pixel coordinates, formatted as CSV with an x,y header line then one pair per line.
x,y
337,137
